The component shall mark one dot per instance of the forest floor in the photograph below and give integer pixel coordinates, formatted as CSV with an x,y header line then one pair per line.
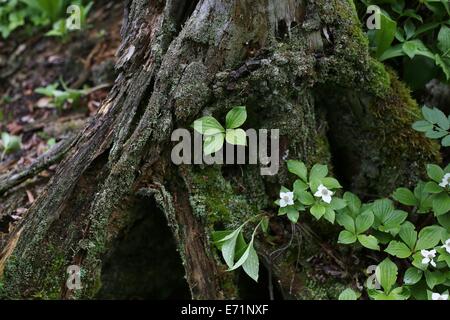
x,y
85,63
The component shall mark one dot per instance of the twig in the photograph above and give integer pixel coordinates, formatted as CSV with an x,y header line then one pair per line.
x,y
43,162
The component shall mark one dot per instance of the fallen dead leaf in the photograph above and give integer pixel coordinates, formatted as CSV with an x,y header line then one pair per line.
x,y
30,197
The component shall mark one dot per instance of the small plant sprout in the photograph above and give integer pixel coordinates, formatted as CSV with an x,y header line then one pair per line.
x,y
9,144
215,134
438,296
324,193
286,199
235,250
428,257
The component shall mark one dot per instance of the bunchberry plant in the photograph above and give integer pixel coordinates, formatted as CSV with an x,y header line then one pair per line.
x,y
215,134
435,124
415,258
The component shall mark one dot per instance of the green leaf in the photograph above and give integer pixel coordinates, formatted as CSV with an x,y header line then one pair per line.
x,y
330,214
293,214
346,237
441,203
348,294
213,143
432,187
444,220
410,48
383,37
353,202
265,224
382,209
305,197
443,64
398,249
298,168
434,278
338,204
405,196
236,137
412,276
318,172
417,261
331,183
392,52
416,47
442,120
432,115
229,246
10,143
435,172
394,220
446,141
208,126
245,255
369,242
218,236
346,221
408,234
251,264
435,134
299,185
444,39
317,211
364,221
429,237
410,29
422,126
386,274
236,117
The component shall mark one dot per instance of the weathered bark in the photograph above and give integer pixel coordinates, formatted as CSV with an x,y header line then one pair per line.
x,y
300,66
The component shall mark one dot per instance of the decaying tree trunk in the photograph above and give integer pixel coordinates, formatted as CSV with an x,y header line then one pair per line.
x,y
300,66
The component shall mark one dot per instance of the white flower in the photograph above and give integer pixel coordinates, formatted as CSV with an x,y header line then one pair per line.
x,y
437,296
286,199
447,245
445,180
324,193
428,257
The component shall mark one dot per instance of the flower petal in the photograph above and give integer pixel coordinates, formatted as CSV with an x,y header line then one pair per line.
x,y
326,198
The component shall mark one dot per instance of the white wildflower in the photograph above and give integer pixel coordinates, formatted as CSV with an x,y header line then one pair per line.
x,y
437,296
324,193
286,199
446,245
445,180
428,256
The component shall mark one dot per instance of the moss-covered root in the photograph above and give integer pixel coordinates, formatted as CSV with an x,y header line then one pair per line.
x,y
373,141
